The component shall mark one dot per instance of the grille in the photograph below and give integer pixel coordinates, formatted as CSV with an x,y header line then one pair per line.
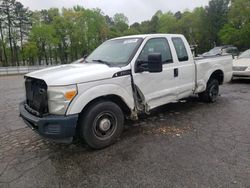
x,y
239,68
36,96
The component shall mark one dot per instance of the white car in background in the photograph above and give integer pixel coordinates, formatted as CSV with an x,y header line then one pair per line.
x,y
241,66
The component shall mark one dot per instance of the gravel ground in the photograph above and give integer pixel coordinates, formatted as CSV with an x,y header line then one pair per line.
x,y
186,144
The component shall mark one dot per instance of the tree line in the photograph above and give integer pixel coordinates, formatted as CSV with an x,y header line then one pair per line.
x,y
56,36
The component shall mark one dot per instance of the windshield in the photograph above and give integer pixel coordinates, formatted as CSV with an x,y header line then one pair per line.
x,y
115,52
78,61
245,54
215,51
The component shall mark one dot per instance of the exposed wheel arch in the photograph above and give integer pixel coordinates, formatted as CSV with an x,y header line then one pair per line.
x,y
212,91
113,98
101,124
218,75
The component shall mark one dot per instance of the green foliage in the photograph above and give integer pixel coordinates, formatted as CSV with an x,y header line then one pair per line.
x,y
30,52
237,30
120,18
168,23
216,18
120,23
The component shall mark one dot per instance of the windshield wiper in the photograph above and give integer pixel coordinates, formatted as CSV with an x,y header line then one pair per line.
x,y
101,61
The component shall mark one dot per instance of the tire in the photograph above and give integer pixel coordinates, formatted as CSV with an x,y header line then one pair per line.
x,y
211,93
101,124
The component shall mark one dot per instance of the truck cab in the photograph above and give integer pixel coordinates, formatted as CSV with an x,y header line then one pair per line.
x,y
122,78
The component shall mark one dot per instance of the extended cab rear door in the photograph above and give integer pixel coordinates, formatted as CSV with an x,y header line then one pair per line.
x,y
157,88
185,67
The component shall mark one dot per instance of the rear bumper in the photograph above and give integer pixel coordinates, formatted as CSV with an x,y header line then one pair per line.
x,y
58,128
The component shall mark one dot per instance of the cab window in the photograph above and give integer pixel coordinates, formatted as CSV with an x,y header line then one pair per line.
x,y
157,45
180,49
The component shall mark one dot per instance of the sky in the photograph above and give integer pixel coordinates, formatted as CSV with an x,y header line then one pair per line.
x,y
135,10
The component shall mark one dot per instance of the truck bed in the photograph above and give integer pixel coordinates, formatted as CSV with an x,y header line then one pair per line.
x,y
205,66
211,57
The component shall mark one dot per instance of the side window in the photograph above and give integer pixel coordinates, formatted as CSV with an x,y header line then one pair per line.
x,y
158,45
180,49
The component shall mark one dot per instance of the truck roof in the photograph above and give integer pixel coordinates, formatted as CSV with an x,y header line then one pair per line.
x,y
143,36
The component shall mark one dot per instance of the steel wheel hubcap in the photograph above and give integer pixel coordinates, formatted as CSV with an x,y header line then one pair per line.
x,y
104,124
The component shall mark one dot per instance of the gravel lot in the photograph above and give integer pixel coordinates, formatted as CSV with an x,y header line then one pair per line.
x,y
187,144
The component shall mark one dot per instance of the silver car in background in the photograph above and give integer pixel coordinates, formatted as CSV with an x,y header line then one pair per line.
x,y
241,65
222,50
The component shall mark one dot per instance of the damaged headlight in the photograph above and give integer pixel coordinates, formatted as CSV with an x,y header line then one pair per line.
x,y
59,98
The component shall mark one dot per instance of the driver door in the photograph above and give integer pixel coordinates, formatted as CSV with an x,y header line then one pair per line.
x,y
157,88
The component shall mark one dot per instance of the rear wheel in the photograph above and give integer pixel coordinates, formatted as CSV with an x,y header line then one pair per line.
x,y
212,91
101,124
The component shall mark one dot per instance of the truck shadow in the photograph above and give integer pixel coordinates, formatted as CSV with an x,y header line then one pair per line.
x,y
168,119
240,81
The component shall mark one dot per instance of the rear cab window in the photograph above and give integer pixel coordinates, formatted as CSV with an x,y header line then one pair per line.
x,y
180,49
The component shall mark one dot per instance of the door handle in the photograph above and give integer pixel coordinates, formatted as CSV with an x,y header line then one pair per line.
x,y
176,72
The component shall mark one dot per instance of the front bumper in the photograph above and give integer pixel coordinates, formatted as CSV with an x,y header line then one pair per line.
x,y
58,128
241,74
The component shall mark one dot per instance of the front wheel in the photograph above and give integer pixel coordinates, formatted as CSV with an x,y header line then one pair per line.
x,y
101,124
212,92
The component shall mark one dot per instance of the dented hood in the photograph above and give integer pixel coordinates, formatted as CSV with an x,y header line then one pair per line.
x,y
74,73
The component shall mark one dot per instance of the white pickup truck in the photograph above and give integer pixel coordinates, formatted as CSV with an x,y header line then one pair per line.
x,y
122,78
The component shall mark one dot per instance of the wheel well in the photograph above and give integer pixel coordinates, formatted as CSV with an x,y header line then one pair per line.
x,y
218,75
114,98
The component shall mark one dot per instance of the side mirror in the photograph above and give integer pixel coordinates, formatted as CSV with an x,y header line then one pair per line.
x,y
85,56
235,56
154,63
